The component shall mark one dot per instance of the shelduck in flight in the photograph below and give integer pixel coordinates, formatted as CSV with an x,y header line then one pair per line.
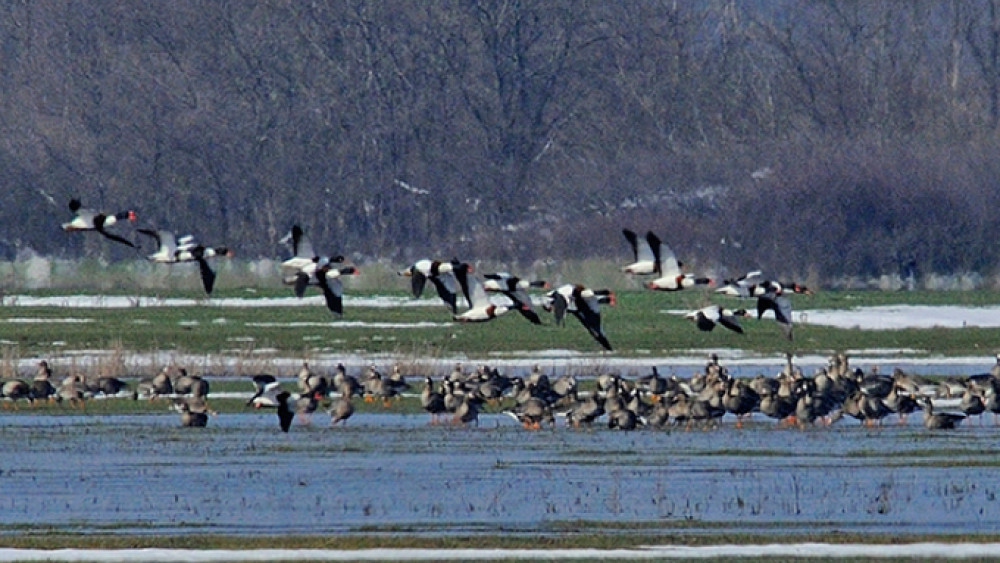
x,y
90,220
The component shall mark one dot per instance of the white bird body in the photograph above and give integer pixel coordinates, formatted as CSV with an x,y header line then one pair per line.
x,y
707,317
481,309
516,290
671,277
89,220
447,277
584,304
171,250
677,282
742,286
648,253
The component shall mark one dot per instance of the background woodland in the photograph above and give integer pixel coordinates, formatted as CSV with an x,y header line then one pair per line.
x,y
806,138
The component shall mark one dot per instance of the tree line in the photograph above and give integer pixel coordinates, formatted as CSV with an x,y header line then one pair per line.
x,y
825,138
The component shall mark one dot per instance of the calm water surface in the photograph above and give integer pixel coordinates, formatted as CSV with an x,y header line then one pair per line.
x,y
398,473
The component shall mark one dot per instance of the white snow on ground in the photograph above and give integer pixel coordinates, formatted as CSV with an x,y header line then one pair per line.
x,y
349,324
127,302
887,317
894,317
37,320
816,550
891,317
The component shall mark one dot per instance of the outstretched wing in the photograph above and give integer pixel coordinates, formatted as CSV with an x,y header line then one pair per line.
x,y
445,286
730,322
99,227
417,282
782,307
633,241
301,283
333,291
207,275
666,260
588,311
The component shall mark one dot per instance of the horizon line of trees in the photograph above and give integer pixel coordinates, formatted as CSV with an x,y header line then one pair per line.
x,y
827,138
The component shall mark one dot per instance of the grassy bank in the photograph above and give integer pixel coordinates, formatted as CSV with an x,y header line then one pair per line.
x,y
643,323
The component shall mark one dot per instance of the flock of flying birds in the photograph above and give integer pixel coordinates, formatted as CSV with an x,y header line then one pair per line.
x,y
487,298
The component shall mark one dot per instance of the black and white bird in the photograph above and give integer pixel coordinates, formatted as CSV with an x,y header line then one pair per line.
x,y
285,412
303,255
481,309
773,299
263,384
91,220
584,304
323,274
671,278
742,286
707,317
646,253
448,278
171,250
515,289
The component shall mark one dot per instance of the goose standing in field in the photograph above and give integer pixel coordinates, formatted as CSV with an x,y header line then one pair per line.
x,y
972,404
342,378
585,411
707,317
190,384
343,407
646,252
740,400
468,409
901,403
153,387
90,220
481,309
194,412
311,383
72,390
14,390
41,386
516,289
432,401
939,421
584,304
448,279
109,386
991,398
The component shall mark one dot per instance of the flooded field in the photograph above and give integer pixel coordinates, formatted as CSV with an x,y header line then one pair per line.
x,y
397,474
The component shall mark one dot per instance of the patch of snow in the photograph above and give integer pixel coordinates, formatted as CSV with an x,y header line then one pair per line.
x,y
125,302
896,317
31,320
348,324
893,317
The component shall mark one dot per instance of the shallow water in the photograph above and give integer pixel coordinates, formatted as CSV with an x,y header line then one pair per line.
x,y
128,474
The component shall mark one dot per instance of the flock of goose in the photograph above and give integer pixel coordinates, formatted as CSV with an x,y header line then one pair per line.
x,y
487,298
652,400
